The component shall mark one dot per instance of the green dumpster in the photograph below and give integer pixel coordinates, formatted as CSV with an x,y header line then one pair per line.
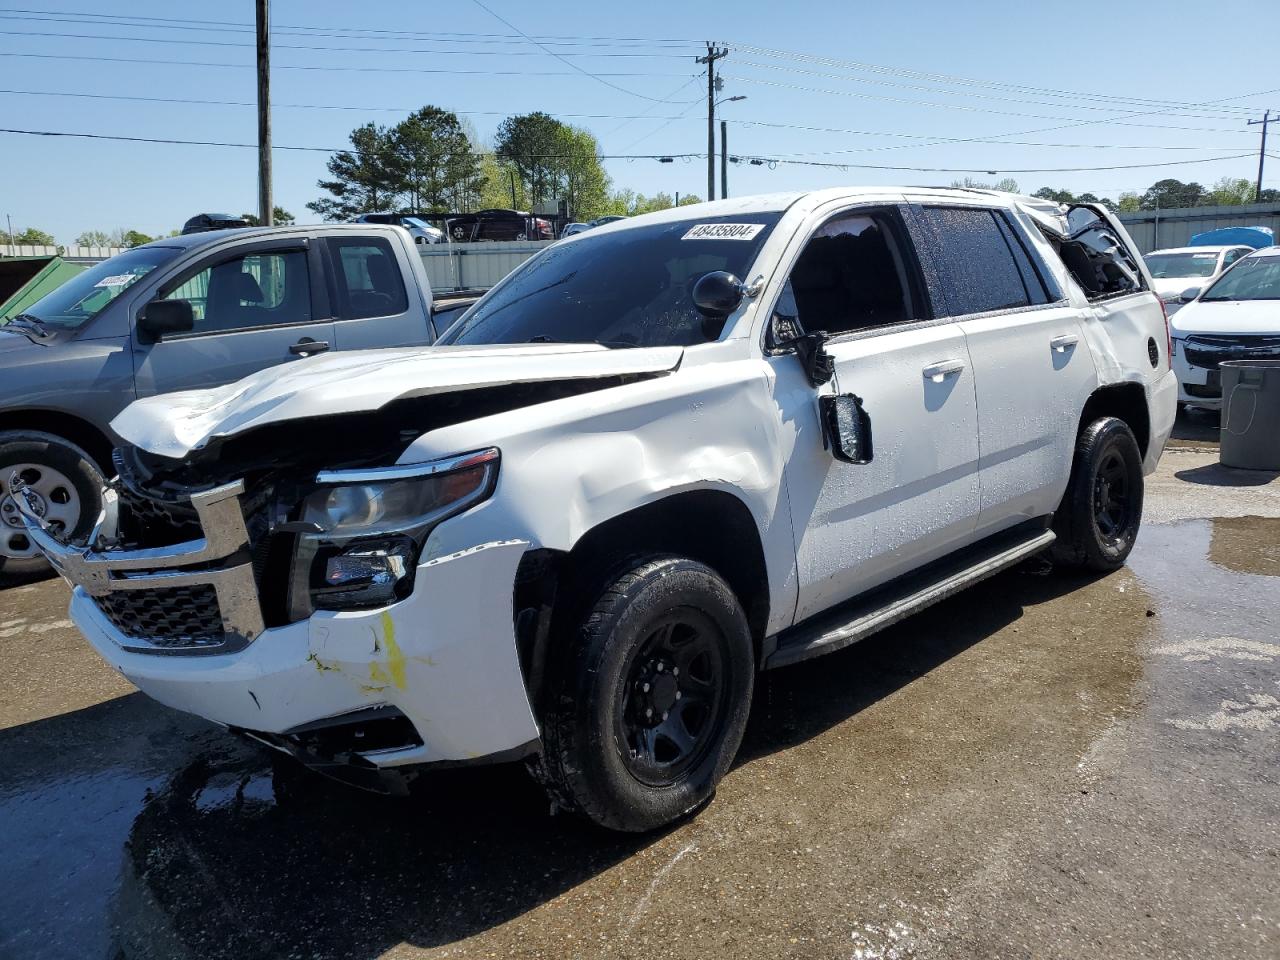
x,y
24,280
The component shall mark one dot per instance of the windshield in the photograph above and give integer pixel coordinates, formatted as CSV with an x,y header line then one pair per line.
x,y
1164,265
1253,278
415,222
628,288
87,294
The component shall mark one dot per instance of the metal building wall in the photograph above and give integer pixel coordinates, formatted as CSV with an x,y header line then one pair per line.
x,y
1161,229
465,266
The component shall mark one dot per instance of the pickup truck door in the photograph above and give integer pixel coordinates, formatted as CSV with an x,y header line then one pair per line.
x,y
372,307
255,305
860,525
1031,363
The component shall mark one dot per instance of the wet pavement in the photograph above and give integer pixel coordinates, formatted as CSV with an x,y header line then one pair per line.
x,y
1045,766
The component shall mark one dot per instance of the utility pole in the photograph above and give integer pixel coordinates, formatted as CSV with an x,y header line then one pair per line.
x,y
724,160
713,54
1262,152
266,206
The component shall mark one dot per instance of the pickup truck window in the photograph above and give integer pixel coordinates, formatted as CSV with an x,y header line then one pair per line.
x,y
87,294
626,288
981,273
258,290
855,272
369,281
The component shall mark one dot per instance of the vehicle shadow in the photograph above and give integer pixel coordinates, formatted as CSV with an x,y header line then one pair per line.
x,y
233,855
1201,427
1216,475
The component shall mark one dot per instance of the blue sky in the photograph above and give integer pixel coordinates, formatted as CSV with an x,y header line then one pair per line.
x,y
888,84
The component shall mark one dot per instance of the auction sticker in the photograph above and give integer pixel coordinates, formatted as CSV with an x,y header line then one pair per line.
x,y
119,280
723,231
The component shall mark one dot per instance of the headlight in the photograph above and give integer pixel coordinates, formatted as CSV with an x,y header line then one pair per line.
x,y
367,528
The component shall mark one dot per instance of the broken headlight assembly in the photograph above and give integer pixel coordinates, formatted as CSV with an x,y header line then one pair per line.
x,y
360,531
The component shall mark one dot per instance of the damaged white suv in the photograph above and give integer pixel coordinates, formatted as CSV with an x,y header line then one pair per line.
x,y
658,458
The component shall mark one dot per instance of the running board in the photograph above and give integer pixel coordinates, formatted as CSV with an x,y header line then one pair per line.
x,y
898,599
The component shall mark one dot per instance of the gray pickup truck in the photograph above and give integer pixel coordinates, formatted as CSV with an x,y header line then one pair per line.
x,y
186,312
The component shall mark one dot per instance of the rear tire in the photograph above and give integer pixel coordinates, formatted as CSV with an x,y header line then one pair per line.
x,y
69,485
1101,512
649,701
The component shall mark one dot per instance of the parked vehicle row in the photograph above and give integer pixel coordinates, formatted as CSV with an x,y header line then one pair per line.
x,y
498,225
421,231
652,462
194,311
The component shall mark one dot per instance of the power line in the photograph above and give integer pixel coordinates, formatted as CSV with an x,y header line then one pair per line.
x,y
339,49
771,161
586,73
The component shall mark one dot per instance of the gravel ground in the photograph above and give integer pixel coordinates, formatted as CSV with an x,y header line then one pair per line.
x,y
1046,766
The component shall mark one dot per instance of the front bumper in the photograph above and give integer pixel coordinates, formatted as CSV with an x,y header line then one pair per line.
x,y
1194,386
445,657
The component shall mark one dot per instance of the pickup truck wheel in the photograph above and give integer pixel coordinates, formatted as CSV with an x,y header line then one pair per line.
x,y
68,488
651,700
1098,520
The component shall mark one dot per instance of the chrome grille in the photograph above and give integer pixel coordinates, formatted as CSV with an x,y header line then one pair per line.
x,y
169,618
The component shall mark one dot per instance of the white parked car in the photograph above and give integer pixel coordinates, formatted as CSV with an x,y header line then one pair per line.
x,y
421,231
653,461
1175,270
1237,317
573,229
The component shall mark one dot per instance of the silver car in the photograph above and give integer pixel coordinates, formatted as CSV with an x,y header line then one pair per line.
x,y
419,229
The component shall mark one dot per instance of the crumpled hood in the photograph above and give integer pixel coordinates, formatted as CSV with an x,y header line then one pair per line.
x,y
1228,316
174,424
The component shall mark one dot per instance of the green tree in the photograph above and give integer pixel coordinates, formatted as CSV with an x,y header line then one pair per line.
x,y
1058,196
532,143
433,159
580,177
1231,192
364,177
1129,202
133,238
34,237
496,180
1169,194
1007,185
279,216
94,238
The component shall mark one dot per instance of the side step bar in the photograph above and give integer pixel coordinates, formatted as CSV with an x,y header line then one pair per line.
x,y
898,599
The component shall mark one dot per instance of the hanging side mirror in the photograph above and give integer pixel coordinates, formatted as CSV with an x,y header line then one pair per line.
x,y
846,427
717,294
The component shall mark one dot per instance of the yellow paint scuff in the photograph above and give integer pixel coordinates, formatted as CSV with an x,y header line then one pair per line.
x,y
394,672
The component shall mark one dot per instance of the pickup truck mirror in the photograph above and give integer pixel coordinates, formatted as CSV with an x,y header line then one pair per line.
x,y
717,294
846,427
160,318
1189,294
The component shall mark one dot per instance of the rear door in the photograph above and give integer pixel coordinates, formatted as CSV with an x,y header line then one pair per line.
x,y
255,306
859,525
372,306
1032,368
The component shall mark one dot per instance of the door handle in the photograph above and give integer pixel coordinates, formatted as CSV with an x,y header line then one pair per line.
x,y
1062,343
937,372
306,346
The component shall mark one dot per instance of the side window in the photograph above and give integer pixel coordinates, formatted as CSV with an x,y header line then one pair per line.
x,y
261,289
368,278
854,273
980,270
1040,286
1231,257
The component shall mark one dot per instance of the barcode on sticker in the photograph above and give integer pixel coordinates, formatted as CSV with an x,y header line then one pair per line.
x,y
723,231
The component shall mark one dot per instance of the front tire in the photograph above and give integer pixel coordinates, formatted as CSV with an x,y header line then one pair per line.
x,y
68,486
649,703
1098,520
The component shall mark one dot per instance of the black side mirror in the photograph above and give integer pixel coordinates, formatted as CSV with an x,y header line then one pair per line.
x,y
717,294
161,318
1189,294
847,427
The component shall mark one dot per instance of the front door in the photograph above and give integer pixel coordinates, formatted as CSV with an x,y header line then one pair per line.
x,y
859,525
253,308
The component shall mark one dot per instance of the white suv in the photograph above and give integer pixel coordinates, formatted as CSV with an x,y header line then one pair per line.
x,y
653,461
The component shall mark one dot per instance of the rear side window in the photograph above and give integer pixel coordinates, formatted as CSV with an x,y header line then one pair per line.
x,y
368,278
981,272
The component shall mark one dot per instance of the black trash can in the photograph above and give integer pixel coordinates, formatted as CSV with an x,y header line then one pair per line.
x,y
1250,414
